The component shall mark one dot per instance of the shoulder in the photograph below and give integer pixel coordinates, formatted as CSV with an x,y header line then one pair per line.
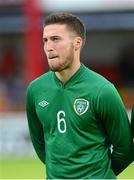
x,y
38,83
99,85
95,78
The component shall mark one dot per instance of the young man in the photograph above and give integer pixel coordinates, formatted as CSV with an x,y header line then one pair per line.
x,y
77,121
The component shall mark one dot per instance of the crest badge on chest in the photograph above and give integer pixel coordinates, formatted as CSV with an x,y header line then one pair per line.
x,y
81,106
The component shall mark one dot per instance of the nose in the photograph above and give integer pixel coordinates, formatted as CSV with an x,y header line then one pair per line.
x,y
48,46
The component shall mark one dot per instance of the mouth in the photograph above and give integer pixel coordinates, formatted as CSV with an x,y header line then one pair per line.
x,y
52,57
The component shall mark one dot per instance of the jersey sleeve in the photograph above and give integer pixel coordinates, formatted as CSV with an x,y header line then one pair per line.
x,y
35,126
132,120
114,118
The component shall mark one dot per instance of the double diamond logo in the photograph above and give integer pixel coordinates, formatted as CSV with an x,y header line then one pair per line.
x,y
43,103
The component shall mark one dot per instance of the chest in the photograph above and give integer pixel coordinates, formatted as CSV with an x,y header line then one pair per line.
x,y
66,110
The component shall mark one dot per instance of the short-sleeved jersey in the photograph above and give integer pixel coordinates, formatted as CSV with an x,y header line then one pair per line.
x,y
73,126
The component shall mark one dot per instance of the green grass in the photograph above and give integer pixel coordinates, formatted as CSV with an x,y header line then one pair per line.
x,y
32,168
128,173
21,168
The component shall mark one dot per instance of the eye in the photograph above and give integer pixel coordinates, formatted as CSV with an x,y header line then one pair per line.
x,y
45,40
55,38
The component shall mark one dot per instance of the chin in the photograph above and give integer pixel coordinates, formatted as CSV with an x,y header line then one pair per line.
x,y
58,67
55,68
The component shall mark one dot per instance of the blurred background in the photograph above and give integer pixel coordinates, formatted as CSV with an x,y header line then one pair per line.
x,y
109,50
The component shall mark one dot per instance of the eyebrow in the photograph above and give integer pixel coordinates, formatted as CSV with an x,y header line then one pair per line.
x,y
51,37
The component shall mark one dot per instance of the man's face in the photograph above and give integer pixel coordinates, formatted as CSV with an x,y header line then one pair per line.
x,y
58,46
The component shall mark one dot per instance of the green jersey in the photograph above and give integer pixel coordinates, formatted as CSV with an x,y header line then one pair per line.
x,y
132,120
73,126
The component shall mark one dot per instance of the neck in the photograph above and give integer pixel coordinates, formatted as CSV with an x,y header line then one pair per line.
x,y
66,74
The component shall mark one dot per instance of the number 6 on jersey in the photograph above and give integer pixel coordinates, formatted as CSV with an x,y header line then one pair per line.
x,y
61,121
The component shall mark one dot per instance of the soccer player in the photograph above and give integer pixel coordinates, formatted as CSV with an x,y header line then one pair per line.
x,y
78,124
132,120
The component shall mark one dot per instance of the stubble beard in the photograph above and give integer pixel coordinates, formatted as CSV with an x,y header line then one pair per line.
x,y
65,65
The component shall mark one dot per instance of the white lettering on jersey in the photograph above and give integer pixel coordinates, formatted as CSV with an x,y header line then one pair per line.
x,y
61,121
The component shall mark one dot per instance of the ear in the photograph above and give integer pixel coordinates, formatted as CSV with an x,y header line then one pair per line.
x,y
77,43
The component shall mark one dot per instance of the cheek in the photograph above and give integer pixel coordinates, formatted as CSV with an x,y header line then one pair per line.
x,y
44,48
61,47
66,49
67,44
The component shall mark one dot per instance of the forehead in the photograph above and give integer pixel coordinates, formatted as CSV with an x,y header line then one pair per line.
x,y
55,30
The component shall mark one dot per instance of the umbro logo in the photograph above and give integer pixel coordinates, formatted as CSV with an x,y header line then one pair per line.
x,y
43,103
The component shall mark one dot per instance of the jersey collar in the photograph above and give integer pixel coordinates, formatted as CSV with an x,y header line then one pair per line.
x,y
72,80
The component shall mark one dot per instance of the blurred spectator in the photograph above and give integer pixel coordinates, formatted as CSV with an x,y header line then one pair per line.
x,y
4,106
15,92
7,65
127,65
11,82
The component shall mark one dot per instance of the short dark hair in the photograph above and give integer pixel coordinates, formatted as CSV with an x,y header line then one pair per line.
x,y
72,21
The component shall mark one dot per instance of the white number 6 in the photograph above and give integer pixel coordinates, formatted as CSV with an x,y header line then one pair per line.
x,y
61,122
